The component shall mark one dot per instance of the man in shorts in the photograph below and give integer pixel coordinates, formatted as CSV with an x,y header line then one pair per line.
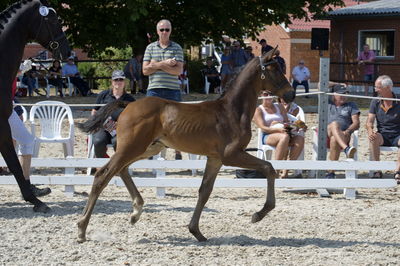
x,y
387,116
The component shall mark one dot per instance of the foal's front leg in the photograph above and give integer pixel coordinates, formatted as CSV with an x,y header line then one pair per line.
x,y
207,184
245,160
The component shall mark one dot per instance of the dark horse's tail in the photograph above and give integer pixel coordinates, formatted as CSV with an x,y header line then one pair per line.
x,y
95,122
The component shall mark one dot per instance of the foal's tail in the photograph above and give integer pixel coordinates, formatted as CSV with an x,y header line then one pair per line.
x,y
95,122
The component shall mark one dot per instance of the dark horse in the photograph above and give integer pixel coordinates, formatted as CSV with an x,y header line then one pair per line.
x,y
22,22
219,129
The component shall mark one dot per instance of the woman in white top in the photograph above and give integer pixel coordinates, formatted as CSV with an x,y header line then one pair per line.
x,y
270,117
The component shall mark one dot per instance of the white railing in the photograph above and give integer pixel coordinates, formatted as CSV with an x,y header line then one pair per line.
x,y
350,183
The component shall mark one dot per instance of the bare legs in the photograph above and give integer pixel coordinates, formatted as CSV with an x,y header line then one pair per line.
x,y
282,142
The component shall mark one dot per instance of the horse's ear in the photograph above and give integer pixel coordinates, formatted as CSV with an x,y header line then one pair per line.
x,y
268,56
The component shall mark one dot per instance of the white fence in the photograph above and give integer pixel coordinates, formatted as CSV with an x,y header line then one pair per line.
x,y
350,183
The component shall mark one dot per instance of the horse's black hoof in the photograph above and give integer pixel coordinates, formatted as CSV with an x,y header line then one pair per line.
x,y
42,207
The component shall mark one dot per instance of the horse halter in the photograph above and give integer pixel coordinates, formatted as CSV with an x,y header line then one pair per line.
x,y
54,44
263,71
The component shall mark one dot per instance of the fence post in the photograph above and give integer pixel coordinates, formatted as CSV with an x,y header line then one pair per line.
x,y
160,173
322,110
69,189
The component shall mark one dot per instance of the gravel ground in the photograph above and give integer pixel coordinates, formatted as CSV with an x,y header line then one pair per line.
x,y
303,229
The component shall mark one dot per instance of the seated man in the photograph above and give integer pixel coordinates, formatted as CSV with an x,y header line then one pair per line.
x,y
71,70
212,76
343,120
386,113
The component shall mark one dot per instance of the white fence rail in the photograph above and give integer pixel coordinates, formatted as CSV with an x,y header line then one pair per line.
x,y
350,183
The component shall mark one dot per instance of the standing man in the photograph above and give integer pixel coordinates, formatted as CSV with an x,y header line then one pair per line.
x,y
163,63
301,75
133,71
265,48
367,56
239,57
386,113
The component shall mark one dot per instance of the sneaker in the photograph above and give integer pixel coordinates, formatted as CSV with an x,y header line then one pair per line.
x,y
40,192
350,151
330,175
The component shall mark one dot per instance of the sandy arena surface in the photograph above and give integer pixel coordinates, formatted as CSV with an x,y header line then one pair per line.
x,y
303,229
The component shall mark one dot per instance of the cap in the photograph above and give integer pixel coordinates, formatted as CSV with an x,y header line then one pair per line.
x,y
118,74
262,40
71,57
339,88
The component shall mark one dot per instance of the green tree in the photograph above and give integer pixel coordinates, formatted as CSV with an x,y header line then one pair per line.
x,y
97,24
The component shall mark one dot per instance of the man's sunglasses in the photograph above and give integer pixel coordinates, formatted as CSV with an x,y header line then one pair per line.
x,y
166,30
118,79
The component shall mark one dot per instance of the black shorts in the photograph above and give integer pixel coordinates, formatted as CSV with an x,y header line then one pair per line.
x,y
391,140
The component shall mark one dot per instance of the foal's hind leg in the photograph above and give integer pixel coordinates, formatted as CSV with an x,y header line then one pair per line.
x,y
212,168
137,200
245,160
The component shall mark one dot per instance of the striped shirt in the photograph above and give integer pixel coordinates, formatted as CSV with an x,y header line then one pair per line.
x,y
161,79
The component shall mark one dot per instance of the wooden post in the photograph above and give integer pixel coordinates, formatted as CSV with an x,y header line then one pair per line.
x,y
322,110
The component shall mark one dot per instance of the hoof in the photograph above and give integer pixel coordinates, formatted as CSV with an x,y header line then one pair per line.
x,y
256,218
42,207
134,219
81,239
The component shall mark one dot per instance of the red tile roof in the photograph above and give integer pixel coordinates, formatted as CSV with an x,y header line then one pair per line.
x,y
302,25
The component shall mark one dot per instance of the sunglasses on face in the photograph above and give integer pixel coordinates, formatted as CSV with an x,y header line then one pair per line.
x,y
166,30
119,80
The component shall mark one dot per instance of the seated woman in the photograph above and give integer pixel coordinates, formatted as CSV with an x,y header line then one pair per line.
x,y
272,119
104,137
55,76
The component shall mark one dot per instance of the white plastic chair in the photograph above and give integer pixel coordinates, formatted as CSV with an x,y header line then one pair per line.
x,y
48,87
90,151
50,116
264,151
206,85
71,88
353,140
382,149
24,114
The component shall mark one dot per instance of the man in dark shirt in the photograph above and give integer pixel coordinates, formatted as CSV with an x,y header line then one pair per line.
x,y
387,115
265,48
104,137
212,75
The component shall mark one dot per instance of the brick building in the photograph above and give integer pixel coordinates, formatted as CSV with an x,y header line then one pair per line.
x,y
294,43
376,24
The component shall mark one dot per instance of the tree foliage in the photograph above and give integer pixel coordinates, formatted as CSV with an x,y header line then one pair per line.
x,y
97,24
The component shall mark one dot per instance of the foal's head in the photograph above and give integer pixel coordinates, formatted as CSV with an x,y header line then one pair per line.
x,y
272,78
47,30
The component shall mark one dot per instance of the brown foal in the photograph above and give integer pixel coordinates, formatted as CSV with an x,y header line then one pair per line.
x,y
219,129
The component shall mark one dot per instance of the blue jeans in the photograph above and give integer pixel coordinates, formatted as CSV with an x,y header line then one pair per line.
x,y
168,94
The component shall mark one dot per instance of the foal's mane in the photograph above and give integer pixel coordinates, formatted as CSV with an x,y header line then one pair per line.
x,y
9,11
247,67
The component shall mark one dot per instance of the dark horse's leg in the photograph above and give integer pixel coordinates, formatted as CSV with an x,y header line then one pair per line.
x,y
245,160
212,168
8,152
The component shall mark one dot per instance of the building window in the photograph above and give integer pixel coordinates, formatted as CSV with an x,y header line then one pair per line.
x,y
380,41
